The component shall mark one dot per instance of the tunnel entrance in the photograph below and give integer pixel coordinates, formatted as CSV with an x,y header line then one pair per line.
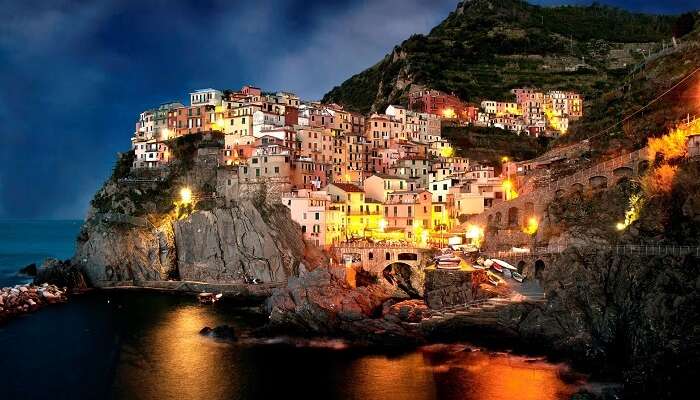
x,y
539,269
399,274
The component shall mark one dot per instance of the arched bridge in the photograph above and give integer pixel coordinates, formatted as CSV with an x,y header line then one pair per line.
x,y
376,257
515,213
533,263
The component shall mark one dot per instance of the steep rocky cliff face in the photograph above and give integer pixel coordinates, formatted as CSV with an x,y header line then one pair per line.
x,y
235,244
136,229
121,252
222,245
636,312
633,310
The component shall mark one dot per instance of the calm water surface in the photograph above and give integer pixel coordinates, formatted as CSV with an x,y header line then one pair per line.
x,y
136,345
26,242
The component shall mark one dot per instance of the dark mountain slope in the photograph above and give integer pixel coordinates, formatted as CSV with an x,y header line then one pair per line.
x,y
486,47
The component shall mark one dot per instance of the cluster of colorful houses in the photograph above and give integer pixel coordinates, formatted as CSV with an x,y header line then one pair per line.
x,y
532,112
342,174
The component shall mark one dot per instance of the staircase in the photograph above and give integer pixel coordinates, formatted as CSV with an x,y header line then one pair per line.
x,y
482,312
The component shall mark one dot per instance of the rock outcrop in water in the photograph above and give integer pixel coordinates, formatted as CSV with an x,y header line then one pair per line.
x,y
320,303
61,274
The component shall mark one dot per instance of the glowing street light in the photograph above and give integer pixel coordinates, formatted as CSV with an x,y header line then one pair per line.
x,y
621,226
185,195
508,190
532,226
449,113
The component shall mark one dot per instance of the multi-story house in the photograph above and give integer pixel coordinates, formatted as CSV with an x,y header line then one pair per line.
x,y
356,165
435,102
408,212
383,129
316,143
413,169
362,216
192,119
378,186
310,209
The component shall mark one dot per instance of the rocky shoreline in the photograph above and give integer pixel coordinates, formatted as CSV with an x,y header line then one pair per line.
x,y
23,299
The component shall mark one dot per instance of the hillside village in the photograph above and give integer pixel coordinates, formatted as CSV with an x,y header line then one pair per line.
x,y
344,175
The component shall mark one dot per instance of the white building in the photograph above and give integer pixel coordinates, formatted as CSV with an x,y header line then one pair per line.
x,y
206,96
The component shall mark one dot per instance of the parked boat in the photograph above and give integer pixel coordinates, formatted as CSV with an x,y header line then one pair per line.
x,y
209,298
449,266
504,264
492,279
518,276
494,265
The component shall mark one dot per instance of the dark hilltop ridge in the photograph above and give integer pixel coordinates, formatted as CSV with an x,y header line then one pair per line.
x,y
486,47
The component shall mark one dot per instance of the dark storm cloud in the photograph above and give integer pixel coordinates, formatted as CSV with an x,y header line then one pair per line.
x,y
75,74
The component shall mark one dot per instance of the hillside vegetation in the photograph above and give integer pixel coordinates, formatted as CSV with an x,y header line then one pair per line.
x,y
489,145
486,47
631,98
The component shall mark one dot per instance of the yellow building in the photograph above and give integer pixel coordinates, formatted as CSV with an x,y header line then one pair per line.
x,y
362,216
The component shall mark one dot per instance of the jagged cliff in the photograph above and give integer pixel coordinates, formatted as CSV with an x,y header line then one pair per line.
x,y
224,245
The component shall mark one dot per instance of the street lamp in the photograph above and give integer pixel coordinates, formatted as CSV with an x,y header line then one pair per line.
x,y
186,195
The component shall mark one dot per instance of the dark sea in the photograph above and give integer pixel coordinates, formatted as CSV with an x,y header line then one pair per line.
x,y
146,345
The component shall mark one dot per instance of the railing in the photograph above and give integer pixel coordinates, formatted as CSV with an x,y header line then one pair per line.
x,y
622,249
121,218
366,245
141,180
604,167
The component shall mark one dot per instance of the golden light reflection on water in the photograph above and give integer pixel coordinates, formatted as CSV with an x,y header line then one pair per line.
x,y
489,376
173,356
447,373
381,377
165,358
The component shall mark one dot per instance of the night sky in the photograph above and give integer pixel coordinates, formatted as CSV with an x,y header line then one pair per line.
x,y
74,75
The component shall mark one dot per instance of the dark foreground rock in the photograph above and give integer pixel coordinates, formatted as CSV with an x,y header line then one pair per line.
x,y
321,304
61,274
222,332
444,288
29,270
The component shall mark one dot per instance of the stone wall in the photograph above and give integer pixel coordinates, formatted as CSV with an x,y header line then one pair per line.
x,y
444,288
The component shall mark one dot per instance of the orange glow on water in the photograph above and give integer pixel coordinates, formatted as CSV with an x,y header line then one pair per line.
x,y
470,375
185,364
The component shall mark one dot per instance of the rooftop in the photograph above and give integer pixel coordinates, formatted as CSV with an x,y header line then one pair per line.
x,y
388,176
347,187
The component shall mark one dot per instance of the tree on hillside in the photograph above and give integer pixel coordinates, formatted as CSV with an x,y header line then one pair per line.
x,y
684,24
